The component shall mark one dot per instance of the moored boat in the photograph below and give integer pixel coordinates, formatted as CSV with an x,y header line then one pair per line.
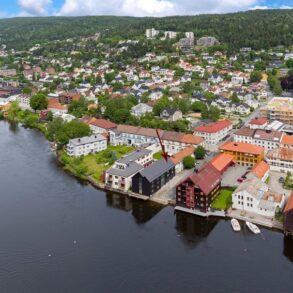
x,y
235,225
253,228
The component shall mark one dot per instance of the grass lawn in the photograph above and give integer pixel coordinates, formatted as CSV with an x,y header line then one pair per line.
x,y
224,200
94,165
157,156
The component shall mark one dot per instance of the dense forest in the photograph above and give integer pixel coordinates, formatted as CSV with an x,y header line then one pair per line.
x,y
257,29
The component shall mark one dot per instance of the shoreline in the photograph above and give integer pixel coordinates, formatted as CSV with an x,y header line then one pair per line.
x,y
256,219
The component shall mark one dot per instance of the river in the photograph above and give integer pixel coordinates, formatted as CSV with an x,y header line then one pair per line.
x,y
58,235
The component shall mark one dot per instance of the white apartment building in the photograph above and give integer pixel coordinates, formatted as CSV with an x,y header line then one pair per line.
x,y
189,35
254,196
120,175
86,145
151,33
280,159
213,133
170,35
268,139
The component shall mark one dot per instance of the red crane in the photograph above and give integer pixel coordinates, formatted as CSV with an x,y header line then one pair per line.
x,y
164,153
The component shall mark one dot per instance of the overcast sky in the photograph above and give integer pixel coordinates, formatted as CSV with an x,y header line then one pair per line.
x,y
11,8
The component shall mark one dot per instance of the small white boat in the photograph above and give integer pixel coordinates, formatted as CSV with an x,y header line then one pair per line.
x,y
253,228
235,225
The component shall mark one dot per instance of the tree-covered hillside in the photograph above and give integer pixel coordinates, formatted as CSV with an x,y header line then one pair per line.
x,y
258,29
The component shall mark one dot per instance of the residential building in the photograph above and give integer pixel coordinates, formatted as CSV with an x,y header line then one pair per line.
x,y
55,107
222,162
288,216
86,145
244,154
260,171
268,139
280,159
170,35
178,158
214,132
189,35
258,123
151,33
120,175
140,136
141,109
287,141
207,41
254,196
200,189
99,125
186,45
171,114
68,97
279,108
153,178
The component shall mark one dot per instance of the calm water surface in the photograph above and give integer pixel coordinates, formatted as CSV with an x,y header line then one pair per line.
x,y
60,236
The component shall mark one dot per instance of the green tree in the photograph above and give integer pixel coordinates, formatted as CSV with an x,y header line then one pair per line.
x,y
38,102
255,76
234,98
188,162
200,152
289,63
72,129
13,111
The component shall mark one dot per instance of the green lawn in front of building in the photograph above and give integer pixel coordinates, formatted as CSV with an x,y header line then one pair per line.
x,y
224,200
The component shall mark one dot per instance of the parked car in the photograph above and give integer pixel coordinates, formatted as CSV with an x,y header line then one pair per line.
x,y
240,180
281,180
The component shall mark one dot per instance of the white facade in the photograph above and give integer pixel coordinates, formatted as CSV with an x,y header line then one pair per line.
x,y
170,35
254,196
151,33
280,160
189,35
119,177
86,145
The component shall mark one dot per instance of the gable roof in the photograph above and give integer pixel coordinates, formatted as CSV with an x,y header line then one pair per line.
x,y
156,169
258,121
170,111
260,169
214,127
177,158
206,178
222,161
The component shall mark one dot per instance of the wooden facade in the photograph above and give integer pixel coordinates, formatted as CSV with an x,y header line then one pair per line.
x,y
200,189
153,178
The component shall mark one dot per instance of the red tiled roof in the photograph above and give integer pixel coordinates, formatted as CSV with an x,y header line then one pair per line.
x,y
214,127
207,178
260,169
177,158
222,161
289,205
54,104
241,147
258,121
103,123
287,139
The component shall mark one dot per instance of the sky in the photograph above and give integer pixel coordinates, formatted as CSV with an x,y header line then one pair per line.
x,y
14,8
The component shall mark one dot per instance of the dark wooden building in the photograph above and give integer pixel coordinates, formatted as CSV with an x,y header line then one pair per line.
x,y
200,189
288,216
152,178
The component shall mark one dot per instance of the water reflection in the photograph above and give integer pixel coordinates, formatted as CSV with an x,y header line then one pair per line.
x,y
13,127
141,211
193,229
288,247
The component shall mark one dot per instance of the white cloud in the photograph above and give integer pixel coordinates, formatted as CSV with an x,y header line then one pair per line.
x,y
153,7
286,7
259,7
34,7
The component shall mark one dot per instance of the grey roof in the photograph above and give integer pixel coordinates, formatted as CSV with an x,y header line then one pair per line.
x,y
87,139
129,170
134,156
157,169
265,204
